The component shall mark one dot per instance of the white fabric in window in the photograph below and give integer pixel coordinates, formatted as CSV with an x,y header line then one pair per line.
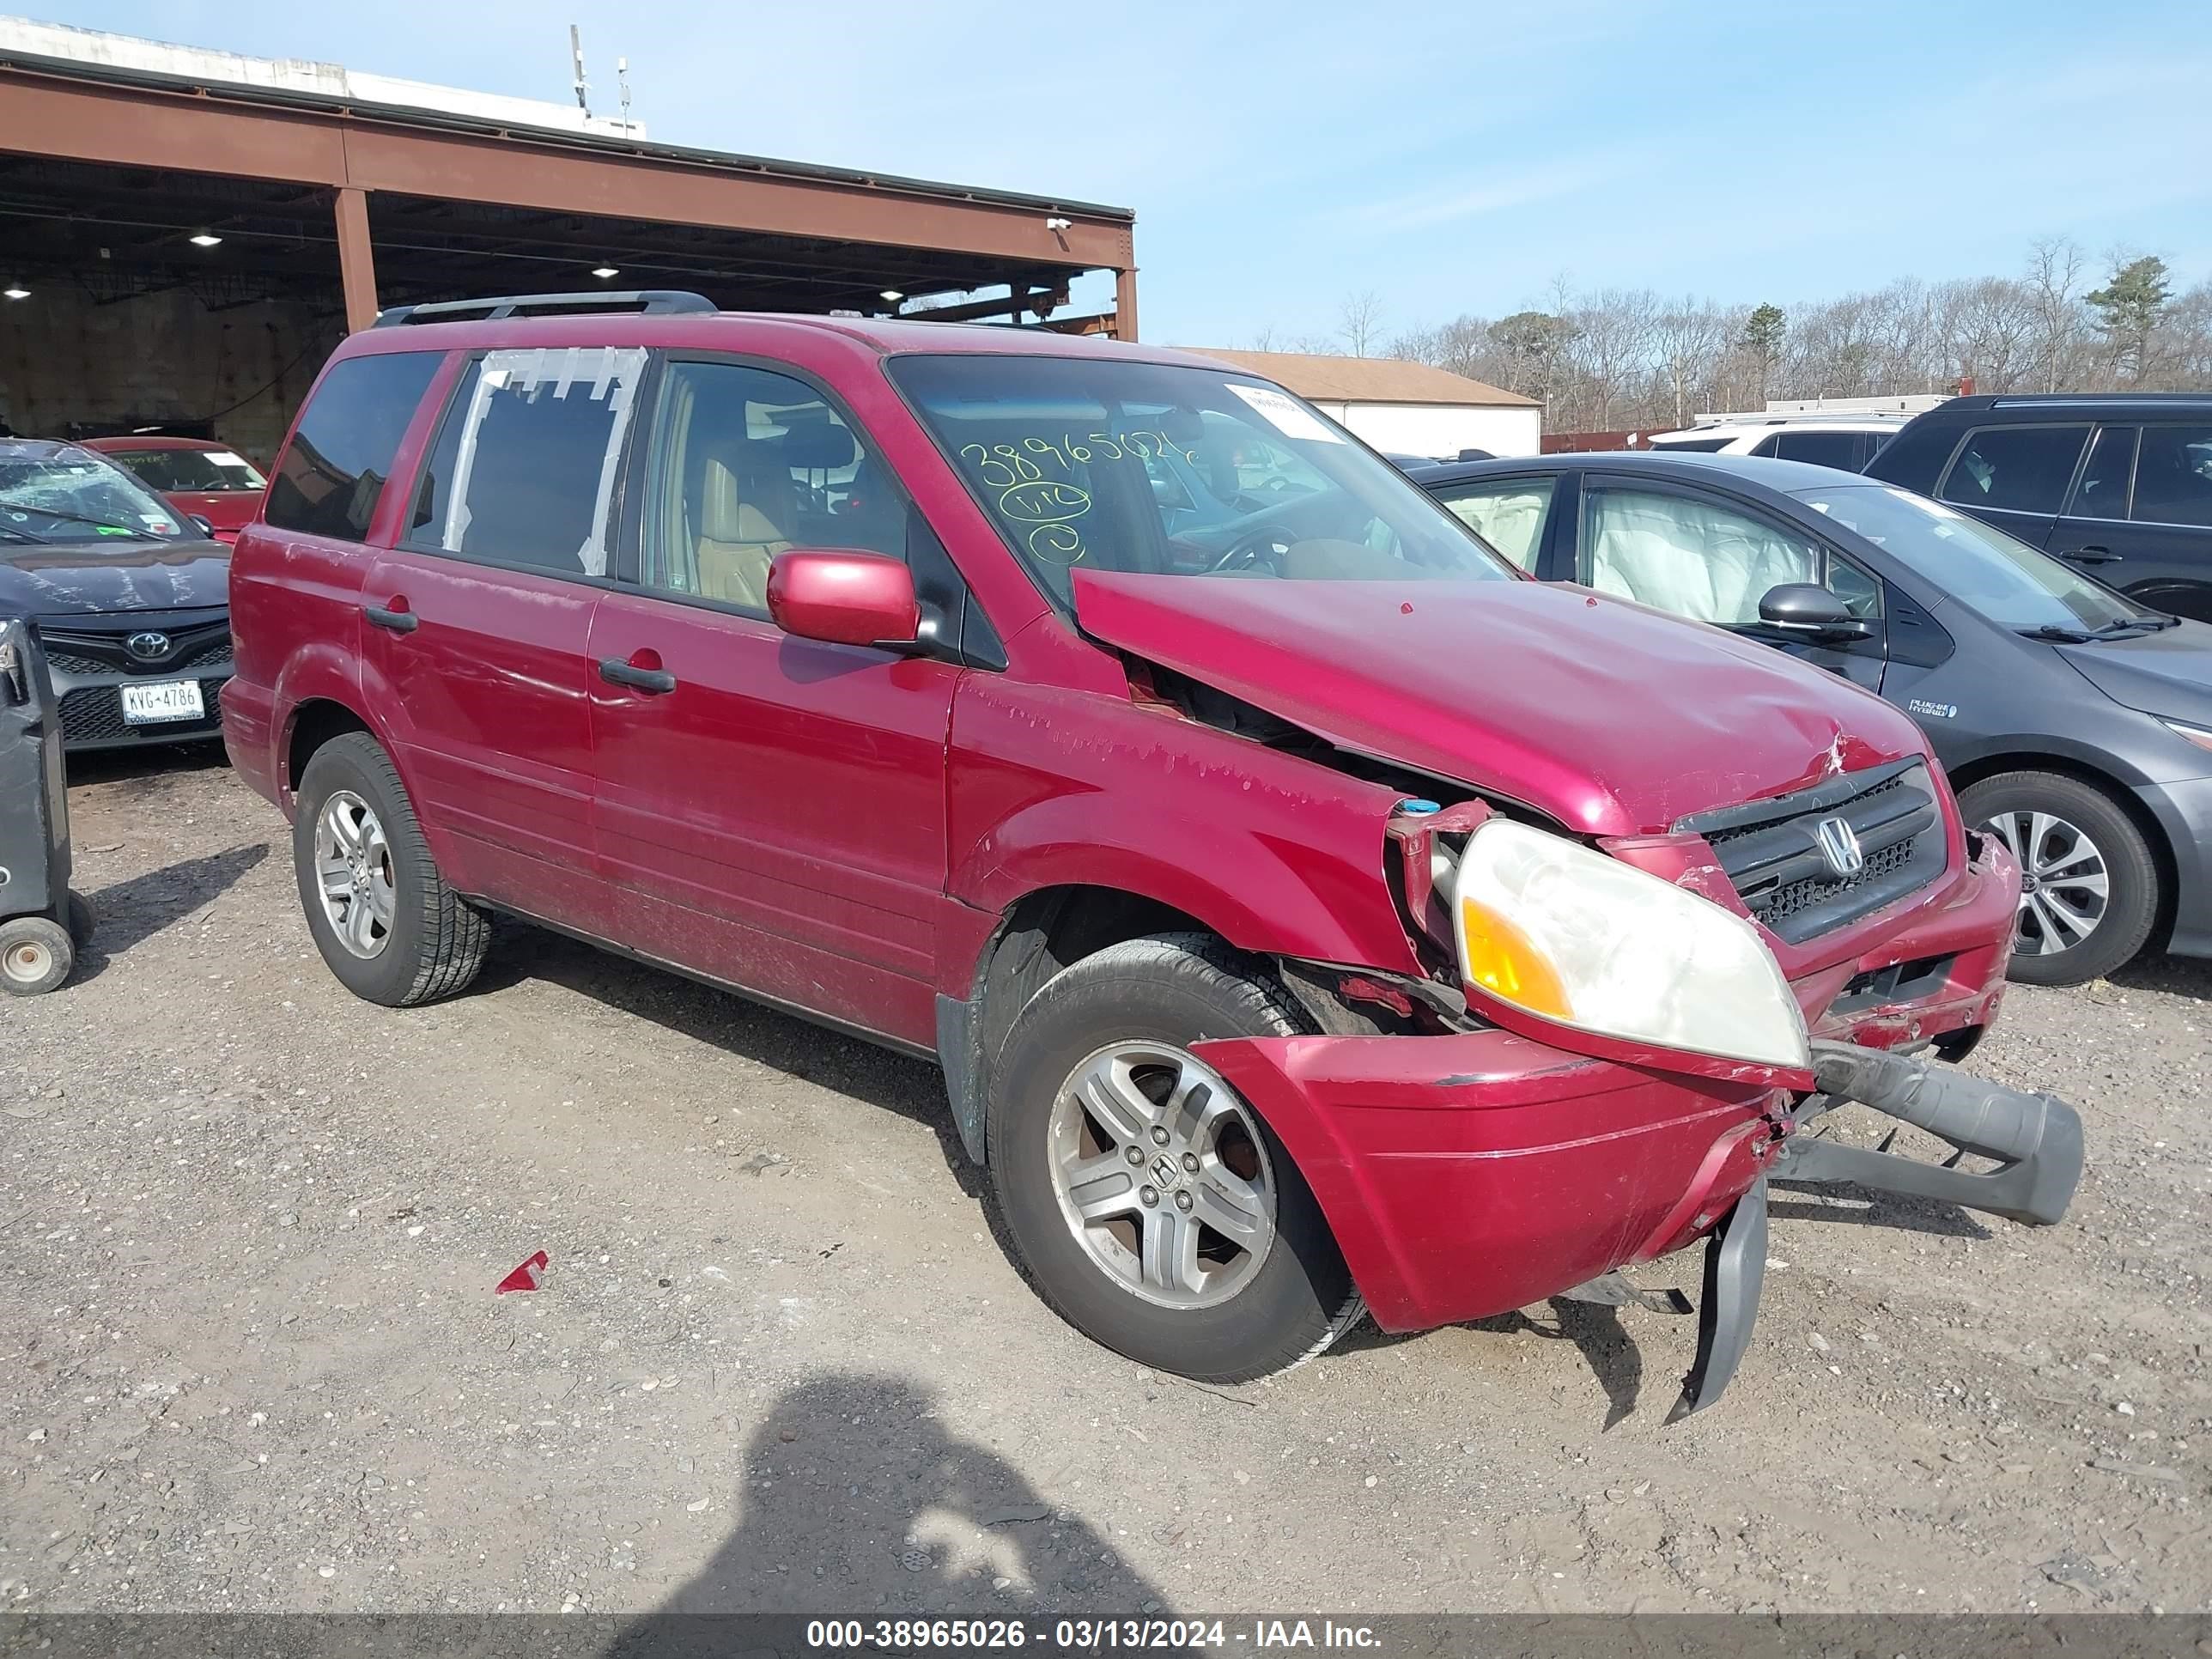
x,y
1691,557
1509,520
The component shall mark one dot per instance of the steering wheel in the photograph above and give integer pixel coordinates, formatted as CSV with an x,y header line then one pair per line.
x,y
1265,545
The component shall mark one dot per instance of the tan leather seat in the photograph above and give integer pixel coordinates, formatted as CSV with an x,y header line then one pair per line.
x,y
738,536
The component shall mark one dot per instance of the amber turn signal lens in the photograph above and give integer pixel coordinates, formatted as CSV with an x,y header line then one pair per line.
x,y
1502,959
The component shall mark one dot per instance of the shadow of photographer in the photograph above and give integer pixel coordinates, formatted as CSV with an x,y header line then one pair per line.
x,y
858,1503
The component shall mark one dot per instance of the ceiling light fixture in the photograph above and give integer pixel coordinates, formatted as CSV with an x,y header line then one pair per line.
x,y
893,295
207,239
605,271
17,291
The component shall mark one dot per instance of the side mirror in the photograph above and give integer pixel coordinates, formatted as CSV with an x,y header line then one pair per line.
x,y
207,525
1810,611
843,597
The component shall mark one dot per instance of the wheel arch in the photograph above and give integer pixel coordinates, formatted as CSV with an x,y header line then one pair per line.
x,y
1037,934
1983,767
313,723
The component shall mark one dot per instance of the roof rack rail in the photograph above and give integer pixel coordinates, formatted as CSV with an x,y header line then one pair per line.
x,y
647,301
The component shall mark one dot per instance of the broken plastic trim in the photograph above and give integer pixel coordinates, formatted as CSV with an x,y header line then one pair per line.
x,y
1735,1273
2035,1138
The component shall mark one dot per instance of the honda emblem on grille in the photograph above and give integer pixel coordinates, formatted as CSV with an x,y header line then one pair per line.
x,y
1839,845
149,646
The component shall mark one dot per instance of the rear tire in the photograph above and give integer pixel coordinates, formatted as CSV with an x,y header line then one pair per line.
x,y
395,933
2071,838
35,956
1167,1146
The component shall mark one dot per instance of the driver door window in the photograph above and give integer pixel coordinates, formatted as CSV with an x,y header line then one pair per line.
x,y
745,463
1696,558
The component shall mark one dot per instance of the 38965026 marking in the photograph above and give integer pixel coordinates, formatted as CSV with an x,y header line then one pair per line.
x,y
1081,1635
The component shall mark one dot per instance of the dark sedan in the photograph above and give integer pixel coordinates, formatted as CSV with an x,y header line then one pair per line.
x,y
130,597
2074,720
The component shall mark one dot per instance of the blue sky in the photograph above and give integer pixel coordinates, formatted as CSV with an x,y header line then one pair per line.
x,y
1452,158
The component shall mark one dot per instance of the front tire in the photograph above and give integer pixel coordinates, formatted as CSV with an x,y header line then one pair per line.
x,y
2090,886
382,916
1157,1212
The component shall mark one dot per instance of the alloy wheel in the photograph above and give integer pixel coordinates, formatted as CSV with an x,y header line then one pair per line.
x,y
353,874
1162,1175
2065,886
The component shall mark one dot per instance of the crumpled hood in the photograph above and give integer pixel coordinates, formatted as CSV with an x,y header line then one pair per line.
x,y
1612,719
2168,673
67,580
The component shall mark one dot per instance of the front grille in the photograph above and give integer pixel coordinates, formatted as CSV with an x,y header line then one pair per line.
x,y
1772,851
99,644
93,713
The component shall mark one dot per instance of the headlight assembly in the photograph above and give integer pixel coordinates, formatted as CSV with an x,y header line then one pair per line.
x,y
1572,936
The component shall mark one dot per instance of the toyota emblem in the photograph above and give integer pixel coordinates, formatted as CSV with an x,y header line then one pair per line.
x,y
149,646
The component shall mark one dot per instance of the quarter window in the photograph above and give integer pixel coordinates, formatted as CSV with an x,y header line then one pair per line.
x,y
2173,479
2018,469
1695,558
745,463
1509,513
523,468
1837,449
334,470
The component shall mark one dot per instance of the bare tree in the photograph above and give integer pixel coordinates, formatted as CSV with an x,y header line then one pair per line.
x,y
1359,321
2054,281
1689,338
1623,359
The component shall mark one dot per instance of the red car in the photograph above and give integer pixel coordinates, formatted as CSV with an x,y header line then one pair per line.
x,y
1309,913
201,477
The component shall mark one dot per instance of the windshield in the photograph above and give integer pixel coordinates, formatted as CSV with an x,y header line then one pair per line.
x,y
50,493
190,469
1104,466
2003,578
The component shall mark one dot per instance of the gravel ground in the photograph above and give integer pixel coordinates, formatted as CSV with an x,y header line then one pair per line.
x,y
251,1358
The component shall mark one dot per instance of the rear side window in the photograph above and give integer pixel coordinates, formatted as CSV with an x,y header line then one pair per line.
x,y
334,468
524,467
1837,449
1509,514
2173,479
2018,469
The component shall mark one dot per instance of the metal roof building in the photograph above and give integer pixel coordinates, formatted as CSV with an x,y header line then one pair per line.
x,y
219,195
1407,408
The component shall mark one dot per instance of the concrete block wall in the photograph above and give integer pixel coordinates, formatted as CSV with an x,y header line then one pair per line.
x,y
164,357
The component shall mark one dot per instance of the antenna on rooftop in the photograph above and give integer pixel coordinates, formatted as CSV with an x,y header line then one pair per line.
x,y
622,80
576,57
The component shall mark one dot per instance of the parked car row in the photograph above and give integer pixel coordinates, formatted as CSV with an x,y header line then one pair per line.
x,y
128,596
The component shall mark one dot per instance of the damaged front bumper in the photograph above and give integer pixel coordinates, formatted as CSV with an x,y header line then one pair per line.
x,y
2034,1139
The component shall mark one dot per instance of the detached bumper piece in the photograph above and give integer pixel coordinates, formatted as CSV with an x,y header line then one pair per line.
x,y
2035,1138
1736,1272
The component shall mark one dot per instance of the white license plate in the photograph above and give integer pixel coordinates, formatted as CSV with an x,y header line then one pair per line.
x,y
171,700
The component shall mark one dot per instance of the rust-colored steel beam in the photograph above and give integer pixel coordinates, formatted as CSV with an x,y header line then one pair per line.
x,y
1125,303
213,129
356,261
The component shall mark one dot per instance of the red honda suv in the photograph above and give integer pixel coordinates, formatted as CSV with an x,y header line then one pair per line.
x,y
1310,914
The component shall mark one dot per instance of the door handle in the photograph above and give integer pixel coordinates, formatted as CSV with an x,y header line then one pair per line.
x,y
400,619
616,671
2091,556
